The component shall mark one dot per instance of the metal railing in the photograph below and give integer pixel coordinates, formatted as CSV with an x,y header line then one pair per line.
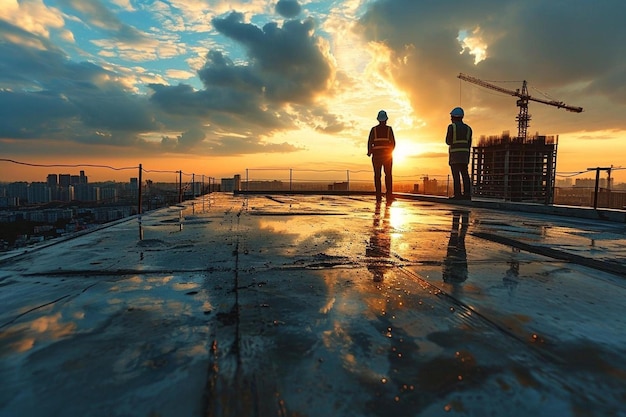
x,y
289,179
296,180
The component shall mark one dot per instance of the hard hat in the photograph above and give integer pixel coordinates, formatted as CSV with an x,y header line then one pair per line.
x,y
382,116
457,112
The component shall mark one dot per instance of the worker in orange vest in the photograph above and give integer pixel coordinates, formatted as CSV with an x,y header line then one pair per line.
x,y
380,146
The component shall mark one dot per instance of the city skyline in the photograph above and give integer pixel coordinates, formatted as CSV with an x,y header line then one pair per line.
x,y
218,87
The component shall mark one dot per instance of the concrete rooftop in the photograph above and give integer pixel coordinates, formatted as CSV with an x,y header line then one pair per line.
x,y
319,305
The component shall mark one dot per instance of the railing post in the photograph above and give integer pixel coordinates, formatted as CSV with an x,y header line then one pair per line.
x,y
247,181
180,187
348,178
290,178
597,187
139,198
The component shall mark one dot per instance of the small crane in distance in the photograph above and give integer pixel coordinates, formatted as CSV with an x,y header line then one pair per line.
x,y
523,98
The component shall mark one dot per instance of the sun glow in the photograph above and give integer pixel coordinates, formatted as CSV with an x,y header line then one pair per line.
x,y
405,150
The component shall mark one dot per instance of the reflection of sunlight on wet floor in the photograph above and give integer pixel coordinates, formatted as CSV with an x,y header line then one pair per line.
x,y
317,305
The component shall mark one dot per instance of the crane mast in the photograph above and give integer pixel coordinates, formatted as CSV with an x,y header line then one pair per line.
x,y
523,98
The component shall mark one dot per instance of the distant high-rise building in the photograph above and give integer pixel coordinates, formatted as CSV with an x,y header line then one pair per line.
x,y
65,180
95,194
66,193
134,187
86,192
39,192
81,192
108,194
78,179
18,190
53,184
591,182
53,181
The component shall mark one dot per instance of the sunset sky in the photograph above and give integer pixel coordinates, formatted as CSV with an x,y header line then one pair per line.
x,y
217,87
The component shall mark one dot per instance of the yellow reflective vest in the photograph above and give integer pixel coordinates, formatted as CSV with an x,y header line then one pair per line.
x,y
459,140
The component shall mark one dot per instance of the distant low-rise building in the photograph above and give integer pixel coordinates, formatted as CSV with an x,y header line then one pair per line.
x,y
231,184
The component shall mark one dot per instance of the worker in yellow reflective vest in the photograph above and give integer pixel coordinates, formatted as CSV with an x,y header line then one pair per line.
x,y
459,141
380,146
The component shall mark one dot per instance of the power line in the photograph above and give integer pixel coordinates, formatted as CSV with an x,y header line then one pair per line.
x,y
66,165
92,166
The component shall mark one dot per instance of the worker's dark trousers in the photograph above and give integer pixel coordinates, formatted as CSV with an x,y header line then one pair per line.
x,y
379,163
459,171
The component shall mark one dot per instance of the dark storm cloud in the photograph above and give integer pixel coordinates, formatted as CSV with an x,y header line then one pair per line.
x,y
288,8
27,115
20,64
285,68
287,59
47,96
571,48
188,140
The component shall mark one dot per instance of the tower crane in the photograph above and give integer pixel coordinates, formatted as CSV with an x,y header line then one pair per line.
x,y
523,98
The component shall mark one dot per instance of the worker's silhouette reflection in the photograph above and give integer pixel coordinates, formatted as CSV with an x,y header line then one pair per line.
x,y
455,262
511,276
379,246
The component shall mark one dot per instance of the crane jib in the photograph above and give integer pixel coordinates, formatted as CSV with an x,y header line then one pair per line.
x,y
523,118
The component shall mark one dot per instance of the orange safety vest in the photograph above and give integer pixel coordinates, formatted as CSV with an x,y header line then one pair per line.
x,y
383,144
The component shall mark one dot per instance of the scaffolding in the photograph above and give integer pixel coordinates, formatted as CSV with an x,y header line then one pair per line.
x,y
515,169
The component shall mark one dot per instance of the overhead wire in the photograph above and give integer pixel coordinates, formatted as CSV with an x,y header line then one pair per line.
x,y
67,165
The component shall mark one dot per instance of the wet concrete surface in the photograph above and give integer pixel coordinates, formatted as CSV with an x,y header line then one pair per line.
x,y
319,306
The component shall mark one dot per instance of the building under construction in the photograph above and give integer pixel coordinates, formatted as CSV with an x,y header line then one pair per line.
x,y
515,168
518,168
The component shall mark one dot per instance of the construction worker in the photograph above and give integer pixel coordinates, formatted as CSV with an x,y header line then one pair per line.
x,y
459,141
380,146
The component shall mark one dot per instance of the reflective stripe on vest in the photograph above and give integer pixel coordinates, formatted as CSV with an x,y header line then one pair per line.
x,y
384,143
459,144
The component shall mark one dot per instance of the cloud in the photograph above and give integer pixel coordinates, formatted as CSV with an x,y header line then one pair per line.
x,y
566,48
289,59
245,145
253,77
99,16
288,8
48,96
32,16
179,74
285,71
187,140
240,106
